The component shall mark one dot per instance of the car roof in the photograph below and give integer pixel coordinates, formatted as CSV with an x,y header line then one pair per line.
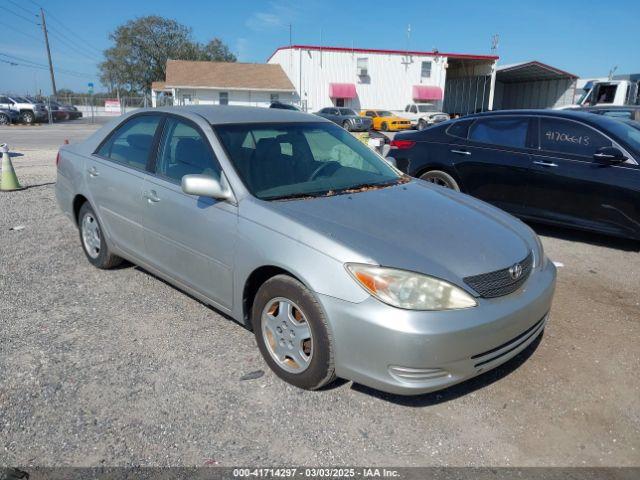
x,y
584,117
612,107
229,114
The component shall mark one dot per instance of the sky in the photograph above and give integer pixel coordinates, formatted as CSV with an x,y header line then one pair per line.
x,y
570,35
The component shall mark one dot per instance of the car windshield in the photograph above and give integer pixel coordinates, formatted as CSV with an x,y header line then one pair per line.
x,y
21,100
427,107
347,111
384,113
293,160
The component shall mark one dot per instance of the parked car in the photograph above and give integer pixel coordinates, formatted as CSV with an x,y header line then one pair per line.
x,y
284,106
347,118
423,115
30,111
274,217
629,112
7,117
557,166
63,111
386,121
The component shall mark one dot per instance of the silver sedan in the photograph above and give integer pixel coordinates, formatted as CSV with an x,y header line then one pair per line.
x,y
341,265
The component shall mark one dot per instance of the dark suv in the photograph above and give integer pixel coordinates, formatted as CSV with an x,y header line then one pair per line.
x,y
557,166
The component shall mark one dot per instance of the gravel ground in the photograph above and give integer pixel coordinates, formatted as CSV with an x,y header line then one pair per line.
x,y
120,368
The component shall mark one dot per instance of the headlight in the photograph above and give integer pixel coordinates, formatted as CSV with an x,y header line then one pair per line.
x,y
409,290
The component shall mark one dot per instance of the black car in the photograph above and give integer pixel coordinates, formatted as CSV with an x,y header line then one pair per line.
x,y
556,166
627,112
284,106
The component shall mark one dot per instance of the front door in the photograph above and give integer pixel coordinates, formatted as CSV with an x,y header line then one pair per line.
x,y
493,162
114,176
569,186
190,238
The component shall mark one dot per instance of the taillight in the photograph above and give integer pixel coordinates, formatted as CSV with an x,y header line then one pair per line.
x,y
58,159
402,144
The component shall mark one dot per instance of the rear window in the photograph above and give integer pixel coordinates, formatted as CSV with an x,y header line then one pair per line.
x,y
505,132
459,129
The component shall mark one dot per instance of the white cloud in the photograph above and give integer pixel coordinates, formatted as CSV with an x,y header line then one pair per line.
x,y
279,14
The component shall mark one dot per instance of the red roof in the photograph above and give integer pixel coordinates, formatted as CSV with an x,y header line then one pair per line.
x,y
392,52
342,90
427,92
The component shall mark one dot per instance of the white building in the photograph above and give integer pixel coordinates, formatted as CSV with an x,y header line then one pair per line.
x,y
222,83
387,79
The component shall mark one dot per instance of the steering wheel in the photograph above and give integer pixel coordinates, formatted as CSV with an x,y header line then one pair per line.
x,y
330,164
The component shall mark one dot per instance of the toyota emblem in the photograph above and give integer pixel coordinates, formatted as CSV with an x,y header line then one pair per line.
x,y
515,271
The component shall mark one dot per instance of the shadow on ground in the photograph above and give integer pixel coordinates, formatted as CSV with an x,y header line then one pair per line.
x,y
591,238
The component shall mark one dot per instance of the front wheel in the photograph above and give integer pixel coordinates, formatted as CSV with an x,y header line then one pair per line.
x,y
440,178
28,117
93,242
292,333
384,127
346,125
5,119
422,125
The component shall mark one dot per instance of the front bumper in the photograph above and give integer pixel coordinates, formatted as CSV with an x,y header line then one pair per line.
x,y
412,352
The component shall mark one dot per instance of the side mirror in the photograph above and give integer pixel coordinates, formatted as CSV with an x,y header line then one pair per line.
x,y
205,186
609,155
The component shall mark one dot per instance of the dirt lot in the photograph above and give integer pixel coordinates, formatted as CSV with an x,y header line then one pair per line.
x,y
119,368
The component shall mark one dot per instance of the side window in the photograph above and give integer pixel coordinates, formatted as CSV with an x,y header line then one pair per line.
x,y
425,70
506,132
131,143
183,151
224,98
459,129
334,111
564,136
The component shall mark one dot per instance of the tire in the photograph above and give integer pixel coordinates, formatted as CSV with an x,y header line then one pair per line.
x,y
311,365
94,245
384,127
5,119
422,124
440,178
346,125
28,117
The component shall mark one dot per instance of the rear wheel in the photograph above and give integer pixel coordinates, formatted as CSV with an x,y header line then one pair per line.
x,y
442,179
292,333
28,117
5,119
93,243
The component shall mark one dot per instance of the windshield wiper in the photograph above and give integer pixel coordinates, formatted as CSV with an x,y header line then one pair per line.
x,y
292,196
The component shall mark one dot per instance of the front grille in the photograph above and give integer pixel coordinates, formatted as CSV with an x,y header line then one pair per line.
x,y
500,282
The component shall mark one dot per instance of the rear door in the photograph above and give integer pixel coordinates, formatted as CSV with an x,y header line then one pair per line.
x,y
189,238
568,186
114,176
493,162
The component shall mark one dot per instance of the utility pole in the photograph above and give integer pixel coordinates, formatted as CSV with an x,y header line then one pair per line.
x,y
46,42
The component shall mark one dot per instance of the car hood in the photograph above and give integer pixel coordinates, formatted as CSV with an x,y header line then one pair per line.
x,y
414,226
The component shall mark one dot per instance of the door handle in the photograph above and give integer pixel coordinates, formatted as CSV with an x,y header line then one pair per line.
x,y
460,152
93,171
545,164
151,196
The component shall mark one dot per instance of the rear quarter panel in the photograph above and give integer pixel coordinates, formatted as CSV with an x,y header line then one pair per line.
x,y
70,180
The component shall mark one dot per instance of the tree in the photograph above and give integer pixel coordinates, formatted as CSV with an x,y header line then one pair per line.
x,y
143,46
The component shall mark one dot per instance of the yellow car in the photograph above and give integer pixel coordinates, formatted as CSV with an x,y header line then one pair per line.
x,y
385,120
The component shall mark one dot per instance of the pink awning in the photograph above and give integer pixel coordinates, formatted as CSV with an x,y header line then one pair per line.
x,y
342,90
427,92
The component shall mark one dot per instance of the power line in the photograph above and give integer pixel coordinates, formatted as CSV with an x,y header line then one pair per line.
x,y
85,44
30,12
17,30
19,15
70,45
31,63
